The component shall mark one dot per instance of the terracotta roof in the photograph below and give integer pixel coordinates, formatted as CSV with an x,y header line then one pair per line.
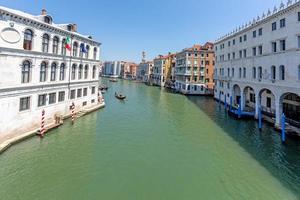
x,y
198,47
165,56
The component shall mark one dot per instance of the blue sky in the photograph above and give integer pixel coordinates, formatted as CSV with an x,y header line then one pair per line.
x,y
127,27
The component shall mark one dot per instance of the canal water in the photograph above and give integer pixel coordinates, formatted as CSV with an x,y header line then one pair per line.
x,y
155,145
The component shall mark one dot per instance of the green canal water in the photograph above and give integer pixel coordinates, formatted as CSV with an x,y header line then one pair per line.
x,y
155,145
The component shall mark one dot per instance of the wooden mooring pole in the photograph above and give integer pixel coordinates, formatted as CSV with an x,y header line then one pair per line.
x,y
240,109
259,119
230,104
225,102
283,133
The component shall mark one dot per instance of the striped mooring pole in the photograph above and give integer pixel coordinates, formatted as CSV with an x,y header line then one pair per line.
x,y
42,131
73,113
101,99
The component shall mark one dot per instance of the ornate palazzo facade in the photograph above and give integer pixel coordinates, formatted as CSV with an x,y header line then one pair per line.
x,y
38,73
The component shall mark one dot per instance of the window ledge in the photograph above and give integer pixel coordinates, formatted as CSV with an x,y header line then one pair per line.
x,y
25,111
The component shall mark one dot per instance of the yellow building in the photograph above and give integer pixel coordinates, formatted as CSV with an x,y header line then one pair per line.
x,y
169,72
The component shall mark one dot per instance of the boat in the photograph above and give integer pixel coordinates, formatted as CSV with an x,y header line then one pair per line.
x,y
103,88
113,80
120,96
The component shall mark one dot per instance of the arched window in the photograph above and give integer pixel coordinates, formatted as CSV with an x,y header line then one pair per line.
x,y
43,72
75,49
45,43
281,72
232,72
254,72
25,76
260,73
73,76
87,51
244,72
228,72
62,72
273,72
95,53
55,45
53,72
80,72
28,38
63,48
82,49
94,72
240,72
86,72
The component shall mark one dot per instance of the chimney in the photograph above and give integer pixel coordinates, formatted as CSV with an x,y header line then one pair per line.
x,y
44,12
74,27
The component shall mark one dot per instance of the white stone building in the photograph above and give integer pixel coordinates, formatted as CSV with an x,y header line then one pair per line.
x,y
112,69
258,65
144,71
38,73
158,77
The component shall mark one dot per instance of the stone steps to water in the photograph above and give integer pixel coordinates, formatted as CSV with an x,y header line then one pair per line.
x,y
80,114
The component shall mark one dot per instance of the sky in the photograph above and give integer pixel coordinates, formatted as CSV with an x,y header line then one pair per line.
x,y
127,27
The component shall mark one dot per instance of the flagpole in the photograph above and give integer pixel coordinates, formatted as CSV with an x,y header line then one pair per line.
x,y
70,62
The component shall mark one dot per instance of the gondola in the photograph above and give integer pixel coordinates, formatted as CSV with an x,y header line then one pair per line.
x,y
120,96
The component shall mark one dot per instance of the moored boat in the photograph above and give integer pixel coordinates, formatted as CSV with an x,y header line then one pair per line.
x,y
113,80
103,87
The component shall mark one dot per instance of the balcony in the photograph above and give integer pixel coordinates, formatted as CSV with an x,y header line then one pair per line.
x,y
183,72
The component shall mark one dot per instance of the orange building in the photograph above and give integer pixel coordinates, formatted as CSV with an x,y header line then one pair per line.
x,y
129,70
194,70
209,65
